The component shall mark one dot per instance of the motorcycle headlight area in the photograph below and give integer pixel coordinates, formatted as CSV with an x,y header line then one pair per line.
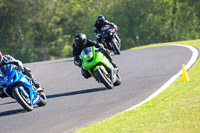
x,y
87,53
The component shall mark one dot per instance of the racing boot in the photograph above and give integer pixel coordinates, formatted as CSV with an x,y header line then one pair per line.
x,y
37,86
106,52
36,83
27,71
114,64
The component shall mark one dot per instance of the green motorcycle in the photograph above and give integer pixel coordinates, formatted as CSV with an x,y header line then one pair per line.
x,y
100,67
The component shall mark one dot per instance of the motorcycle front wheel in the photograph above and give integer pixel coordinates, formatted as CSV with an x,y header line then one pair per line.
x,y
105,79
24,101
116,47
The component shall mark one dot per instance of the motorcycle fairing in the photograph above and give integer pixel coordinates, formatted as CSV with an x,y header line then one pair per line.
x,y
16,78
98,57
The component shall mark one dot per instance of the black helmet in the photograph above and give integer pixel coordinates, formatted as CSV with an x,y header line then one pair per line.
x,y
100,19
80,40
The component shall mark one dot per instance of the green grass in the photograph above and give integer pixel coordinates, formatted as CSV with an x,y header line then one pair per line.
x,y
176,109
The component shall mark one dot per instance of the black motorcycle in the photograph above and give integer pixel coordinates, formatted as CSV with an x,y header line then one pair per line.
x,y
108,34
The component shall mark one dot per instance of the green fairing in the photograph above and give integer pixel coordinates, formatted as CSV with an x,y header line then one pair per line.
x,y
98,57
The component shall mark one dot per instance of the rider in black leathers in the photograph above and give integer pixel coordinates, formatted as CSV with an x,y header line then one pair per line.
x,y
81,42
100,22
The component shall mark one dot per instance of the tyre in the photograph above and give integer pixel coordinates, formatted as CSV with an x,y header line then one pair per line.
x,y
118,80
105,79
43,99
115,47
24,101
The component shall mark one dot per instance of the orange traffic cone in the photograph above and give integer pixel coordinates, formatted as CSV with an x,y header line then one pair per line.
x,y
184,75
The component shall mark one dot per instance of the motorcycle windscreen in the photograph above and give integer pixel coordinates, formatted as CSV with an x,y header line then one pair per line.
x,y
87,53
105,32
4,69
3,77
105,27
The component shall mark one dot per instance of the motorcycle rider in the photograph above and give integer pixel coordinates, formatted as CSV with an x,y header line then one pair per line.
x,y
81,42
100,22
7,59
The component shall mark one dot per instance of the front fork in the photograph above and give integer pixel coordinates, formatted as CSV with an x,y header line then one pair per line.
x,y
106,70
33,96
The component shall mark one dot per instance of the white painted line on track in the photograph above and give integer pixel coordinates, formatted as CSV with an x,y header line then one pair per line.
x,y
193,59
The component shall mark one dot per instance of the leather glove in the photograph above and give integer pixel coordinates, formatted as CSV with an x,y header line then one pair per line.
x,y
98,45
97,35
20,66
115,27
101,49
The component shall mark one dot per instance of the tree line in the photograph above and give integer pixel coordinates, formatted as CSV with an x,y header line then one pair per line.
x,y
37,30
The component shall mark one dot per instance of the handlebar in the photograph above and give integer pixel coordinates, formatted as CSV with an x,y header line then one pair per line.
x,y
18,69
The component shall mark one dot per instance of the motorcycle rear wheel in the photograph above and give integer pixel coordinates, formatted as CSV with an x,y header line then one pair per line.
x,y
118,81
25,102
43,99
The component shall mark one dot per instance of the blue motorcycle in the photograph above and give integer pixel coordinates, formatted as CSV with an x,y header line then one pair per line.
x,y
109,35
20,87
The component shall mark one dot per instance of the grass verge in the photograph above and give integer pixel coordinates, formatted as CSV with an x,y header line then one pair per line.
x,y
176,109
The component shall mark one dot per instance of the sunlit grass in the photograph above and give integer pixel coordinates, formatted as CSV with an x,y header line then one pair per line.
x,y
176,109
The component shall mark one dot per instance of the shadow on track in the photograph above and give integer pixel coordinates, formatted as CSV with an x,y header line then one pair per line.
x,y
8,103
66,61
76,92
12,112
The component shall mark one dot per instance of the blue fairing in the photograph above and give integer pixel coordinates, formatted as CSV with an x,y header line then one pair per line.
x,y
11,79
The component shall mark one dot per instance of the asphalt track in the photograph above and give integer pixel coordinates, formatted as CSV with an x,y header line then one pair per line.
x,y
75,102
